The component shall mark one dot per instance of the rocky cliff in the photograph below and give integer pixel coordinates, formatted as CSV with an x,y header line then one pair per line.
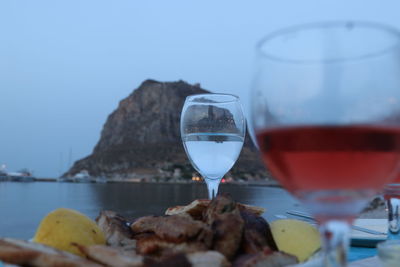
x,y
141,138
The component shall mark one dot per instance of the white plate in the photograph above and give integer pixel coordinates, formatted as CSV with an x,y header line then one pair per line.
x,y
362,239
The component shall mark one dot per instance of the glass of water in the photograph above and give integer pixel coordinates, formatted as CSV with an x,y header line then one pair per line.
x,y
213,129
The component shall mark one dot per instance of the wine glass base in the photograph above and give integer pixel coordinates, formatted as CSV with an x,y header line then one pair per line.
x,y
335,204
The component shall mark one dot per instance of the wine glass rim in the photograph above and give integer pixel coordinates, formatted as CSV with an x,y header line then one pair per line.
x,y
328,24
233,98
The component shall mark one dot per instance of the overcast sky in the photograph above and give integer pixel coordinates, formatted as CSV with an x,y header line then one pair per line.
x,y
65,65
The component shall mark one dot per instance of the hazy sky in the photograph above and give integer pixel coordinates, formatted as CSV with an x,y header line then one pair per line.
x,y
64,65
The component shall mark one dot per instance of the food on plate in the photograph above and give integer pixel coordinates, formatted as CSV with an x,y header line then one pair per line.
x,y
216,233
165,234
194,209
119,257
62,228
112,256
198,206
296,237
24,253
257,234
223,216
116,229
207,259
266,258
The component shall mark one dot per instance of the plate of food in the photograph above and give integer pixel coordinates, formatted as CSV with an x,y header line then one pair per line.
x,y
203,233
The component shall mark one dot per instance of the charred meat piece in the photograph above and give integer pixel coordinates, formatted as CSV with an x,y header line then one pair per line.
x,y
224,218
32,254
111,256
265,258
153,245
257,234
173,260
196,259
175,229
253,209
115,228
194,209
197,207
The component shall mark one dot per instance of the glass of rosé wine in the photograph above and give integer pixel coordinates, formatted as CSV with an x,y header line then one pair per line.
x,y
325,107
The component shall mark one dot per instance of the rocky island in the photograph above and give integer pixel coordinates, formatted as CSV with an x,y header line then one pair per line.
x,y
141,139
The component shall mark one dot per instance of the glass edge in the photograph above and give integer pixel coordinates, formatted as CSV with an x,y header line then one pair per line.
x,y
190,97
325,24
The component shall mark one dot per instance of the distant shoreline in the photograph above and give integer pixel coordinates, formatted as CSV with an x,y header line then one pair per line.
x,y
252,183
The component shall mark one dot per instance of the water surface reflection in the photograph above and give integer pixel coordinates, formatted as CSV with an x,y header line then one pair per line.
x,y
23,205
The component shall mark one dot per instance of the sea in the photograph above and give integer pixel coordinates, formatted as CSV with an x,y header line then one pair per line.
x,y
24,204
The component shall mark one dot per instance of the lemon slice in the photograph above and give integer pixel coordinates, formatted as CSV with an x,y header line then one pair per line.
x,y
295,237
63,227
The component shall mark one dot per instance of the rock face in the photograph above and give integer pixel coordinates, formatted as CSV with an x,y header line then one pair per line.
x,y
142,138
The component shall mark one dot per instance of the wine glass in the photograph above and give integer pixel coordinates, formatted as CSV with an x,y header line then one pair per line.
x,y
325,111
391,193
213,129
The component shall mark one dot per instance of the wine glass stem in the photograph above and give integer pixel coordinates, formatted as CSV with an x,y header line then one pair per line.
x,y
212,185
393,205
335,242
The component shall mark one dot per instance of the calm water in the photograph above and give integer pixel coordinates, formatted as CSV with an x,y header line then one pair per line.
x,y
23,205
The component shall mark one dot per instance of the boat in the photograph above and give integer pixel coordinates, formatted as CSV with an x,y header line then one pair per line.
x,y
23,176
82,177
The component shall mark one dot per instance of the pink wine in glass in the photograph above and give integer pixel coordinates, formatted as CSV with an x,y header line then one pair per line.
x,y
334,159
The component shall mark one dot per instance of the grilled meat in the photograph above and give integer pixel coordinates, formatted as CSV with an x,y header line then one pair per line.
x,y
153,245
202,234
118,257
175,229
253,209
115,228
173,260
111,256
207,259
264,258
196,209
32,254
256,234
223,216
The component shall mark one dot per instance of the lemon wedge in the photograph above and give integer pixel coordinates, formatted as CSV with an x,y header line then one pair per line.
x,y
62,228
295,237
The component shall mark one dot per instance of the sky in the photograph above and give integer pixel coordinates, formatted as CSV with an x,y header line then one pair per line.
x,y
65,65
